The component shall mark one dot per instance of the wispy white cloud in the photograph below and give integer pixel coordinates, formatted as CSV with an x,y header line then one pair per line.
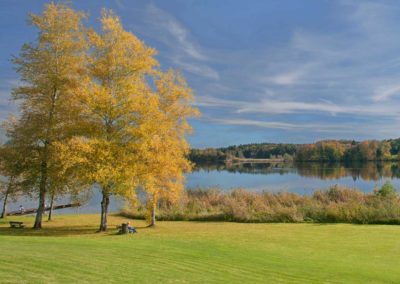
x,y
293,107
288,78
384,92
198,69
355,61
348,69
258,123
323,130
183,49
339,129
318,127
179,33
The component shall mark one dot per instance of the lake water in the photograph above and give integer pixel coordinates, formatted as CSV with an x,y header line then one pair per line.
x,y
299,178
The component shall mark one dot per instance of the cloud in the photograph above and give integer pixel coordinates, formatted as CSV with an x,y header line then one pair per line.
x,y
198,69
384,92
343,68
317,127
257,123
292,107
176,30
288,78
341,130
354,61
183,50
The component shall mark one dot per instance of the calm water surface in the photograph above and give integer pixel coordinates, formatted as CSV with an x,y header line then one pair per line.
x,y
299,178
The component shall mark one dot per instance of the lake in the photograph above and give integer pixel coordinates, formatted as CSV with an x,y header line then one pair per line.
x,y
301,178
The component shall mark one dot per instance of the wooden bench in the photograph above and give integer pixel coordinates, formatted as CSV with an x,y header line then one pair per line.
x,y
14,224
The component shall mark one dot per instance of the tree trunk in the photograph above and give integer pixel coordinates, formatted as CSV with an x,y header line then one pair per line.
x,y
51,207
9,186
4,211
153,213
44,165
40,211
104,211
42,196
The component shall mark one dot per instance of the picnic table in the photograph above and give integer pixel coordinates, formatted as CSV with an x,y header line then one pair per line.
x,y
14,224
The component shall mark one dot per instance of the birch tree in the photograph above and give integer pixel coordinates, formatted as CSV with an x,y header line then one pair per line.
x,y
135,118
119,97
165,159
52,70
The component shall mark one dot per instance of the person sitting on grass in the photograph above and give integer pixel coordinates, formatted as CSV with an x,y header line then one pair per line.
x,y
131,229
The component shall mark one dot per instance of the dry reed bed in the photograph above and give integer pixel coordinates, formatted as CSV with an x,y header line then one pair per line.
x,y
334,205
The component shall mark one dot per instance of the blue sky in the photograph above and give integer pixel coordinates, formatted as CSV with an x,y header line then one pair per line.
x,y
262,71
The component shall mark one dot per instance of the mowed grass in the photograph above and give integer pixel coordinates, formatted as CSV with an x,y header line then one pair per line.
x,y
68,250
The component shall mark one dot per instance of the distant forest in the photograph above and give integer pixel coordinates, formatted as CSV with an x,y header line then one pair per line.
x,y
321,151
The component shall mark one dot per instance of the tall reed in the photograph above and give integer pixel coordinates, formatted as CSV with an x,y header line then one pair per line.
x,y
334,205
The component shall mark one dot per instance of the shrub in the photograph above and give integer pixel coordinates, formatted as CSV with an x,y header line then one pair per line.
x,y
387,190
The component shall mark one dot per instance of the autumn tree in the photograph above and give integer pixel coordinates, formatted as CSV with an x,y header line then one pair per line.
x,y
52,70
114,108
383,151
167,148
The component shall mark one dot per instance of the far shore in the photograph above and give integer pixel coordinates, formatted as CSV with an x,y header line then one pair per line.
x,y
246,160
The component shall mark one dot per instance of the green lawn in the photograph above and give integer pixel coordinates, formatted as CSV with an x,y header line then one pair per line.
x,y
68,250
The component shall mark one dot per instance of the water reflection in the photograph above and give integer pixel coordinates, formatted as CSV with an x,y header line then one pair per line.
x,y
301,178
325,171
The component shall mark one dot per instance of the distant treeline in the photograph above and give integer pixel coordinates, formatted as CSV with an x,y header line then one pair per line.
x,y
248,151
322,151
332,151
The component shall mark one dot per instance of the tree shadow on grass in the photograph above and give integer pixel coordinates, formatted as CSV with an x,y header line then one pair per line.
x,y
61,231
52,231
63,226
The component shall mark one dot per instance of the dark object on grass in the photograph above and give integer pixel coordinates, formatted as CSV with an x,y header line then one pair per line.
x,y
126,228
14,224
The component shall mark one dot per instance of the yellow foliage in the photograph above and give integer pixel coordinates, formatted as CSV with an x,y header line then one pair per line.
x,y
53,70
98,110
